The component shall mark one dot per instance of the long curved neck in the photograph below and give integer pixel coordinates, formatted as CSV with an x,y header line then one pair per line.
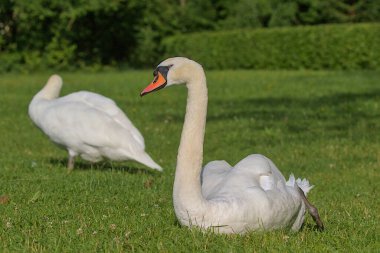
x,y
49,92
51,89
187,194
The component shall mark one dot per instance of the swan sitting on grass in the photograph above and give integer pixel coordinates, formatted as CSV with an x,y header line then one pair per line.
x,y
252,195
87,124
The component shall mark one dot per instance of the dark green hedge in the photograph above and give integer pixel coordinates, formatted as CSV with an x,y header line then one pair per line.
x,y
352,46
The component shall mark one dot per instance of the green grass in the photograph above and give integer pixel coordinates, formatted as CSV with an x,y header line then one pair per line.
x,y
321,125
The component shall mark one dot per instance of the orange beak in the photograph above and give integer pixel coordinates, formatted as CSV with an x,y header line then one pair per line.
x,y
159,82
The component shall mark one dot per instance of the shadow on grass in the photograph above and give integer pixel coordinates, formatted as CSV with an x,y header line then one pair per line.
x,y
277,108
333,113
103,166
305,226
311,227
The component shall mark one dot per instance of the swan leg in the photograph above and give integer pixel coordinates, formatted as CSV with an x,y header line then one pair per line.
x,y
70,163
313,211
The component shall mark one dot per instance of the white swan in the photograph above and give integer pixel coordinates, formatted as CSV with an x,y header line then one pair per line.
x,y
87,124
252,195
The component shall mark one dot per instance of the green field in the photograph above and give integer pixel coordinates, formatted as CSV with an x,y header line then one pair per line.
x,y
323,125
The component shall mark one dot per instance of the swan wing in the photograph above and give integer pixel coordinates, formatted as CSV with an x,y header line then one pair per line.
x,y
92,133
260,171
88,123
254,189
253,172
108,107
212,174
74,124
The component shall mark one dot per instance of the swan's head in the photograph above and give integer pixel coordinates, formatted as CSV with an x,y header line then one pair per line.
x,y
176,70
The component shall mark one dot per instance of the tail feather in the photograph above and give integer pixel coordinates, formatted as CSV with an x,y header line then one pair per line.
x,y
302,183
148,161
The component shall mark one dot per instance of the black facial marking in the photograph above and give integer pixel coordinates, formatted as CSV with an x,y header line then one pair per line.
x,y
163,70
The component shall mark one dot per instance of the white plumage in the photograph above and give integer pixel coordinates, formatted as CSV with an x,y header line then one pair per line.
x,y
258,190
87,124
252,195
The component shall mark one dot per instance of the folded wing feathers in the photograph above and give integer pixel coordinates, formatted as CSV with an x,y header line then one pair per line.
x,y
109,107
302,183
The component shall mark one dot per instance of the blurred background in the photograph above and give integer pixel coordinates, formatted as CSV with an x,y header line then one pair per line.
x,y
250,34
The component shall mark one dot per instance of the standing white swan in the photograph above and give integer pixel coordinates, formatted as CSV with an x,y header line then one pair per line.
x,y
252,195
87,124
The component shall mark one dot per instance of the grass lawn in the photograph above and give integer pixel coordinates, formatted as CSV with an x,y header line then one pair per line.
x,y
323,125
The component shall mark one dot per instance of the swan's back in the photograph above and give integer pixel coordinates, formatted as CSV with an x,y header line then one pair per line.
x,y
253,171
105,108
